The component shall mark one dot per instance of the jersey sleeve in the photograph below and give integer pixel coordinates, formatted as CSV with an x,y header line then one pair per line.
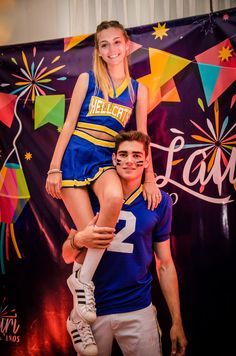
x,y
163,227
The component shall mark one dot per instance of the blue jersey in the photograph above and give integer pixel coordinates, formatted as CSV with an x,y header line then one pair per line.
x,y
107,116
122,279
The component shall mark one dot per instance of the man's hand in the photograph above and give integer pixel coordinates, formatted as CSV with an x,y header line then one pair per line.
x,y
93,236
178,340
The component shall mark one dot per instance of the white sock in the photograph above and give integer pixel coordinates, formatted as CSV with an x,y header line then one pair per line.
x,y
91,261
76,266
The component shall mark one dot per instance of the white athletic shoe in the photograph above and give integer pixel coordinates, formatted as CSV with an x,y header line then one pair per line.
x,y
82,337
83,297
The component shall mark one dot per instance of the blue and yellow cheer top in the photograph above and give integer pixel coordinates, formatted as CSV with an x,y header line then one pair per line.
x,y
87,157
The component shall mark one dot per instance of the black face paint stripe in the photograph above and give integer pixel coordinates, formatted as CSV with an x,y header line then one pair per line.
x,y
119,162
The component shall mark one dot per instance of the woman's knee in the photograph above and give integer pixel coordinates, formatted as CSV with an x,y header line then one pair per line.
x,y
114,200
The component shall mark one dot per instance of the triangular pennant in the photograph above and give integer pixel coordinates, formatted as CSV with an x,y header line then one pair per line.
x,y
49,109
174,65
221,54
209,75
158,60
226,77
70,42
7,105
133,46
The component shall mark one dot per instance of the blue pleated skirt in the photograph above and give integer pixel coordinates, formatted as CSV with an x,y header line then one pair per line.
x,y
85,159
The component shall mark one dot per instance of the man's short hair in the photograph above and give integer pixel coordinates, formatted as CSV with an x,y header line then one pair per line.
x,y
133,136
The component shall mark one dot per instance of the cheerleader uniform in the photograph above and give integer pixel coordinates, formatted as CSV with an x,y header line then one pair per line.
x,y
87,157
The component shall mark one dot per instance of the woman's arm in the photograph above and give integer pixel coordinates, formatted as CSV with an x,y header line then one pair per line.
x,y
151,192
53,183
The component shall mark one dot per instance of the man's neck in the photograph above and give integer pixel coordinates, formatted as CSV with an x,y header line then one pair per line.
x,y
129,187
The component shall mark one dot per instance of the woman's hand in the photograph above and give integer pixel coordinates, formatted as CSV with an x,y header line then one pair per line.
x,y
152,194
53,184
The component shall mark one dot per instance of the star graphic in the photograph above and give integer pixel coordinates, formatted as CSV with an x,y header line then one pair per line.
x,y
160,31
225,17
28,156
225,53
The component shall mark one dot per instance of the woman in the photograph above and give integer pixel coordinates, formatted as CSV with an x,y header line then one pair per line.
x,y
101,105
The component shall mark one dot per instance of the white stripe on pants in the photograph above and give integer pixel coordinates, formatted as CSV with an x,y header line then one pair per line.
x,y
137,333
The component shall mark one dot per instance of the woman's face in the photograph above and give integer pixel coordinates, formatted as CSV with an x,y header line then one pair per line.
x,y
112,46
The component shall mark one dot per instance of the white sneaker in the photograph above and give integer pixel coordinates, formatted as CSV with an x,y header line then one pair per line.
x,y
82,337
83,297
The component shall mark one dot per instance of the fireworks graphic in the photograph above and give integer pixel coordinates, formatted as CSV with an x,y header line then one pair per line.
x,y
217,143
34,78
5,312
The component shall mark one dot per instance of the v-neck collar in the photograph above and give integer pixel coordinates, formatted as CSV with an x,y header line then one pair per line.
x,y
133,195
116,92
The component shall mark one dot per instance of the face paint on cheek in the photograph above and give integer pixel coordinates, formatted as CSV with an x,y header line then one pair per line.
x,y
118,162
139,163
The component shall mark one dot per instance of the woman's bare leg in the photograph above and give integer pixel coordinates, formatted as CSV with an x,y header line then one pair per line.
x,y
77,202
108,189
78,205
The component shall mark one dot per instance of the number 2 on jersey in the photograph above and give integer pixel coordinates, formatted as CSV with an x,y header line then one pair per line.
x,y
118,244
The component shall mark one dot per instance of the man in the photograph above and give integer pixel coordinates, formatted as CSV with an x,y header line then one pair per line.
x,y
123,280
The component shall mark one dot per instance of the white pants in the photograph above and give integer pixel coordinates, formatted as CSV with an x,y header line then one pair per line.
x,y
137,333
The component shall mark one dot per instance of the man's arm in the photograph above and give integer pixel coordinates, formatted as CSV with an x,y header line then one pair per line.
x,y
92,236
169,285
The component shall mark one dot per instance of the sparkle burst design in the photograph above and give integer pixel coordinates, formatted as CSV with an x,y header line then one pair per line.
x,y
225,53
219,141
5,312
28,156
33,78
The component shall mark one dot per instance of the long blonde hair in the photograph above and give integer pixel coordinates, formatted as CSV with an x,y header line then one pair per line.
x,y
102,78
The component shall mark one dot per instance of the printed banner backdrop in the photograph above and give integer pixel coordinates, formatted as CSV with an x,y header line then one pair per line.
x,y
189,67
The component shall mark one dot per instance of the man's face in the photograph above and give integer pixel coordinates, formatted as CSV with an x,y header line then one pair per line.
x,y
130,160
